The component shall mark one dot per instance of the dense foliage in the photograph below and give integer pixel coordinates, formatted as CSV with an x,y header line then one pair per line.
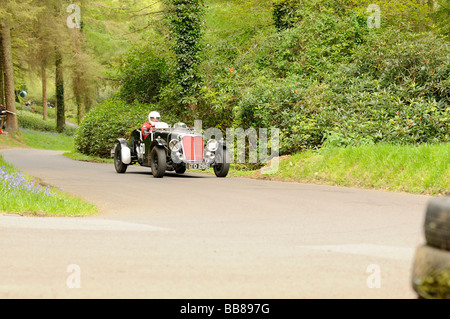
x,y
105,123
396,88
285,14
316,72
144,74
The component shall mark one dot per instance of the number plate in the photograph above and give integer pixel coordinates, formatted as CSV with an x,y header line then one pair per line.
x,y
201,166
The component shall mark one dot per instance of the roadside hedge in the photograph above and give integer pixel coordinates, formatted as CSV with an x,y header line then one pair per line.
x,y
106,122
34,121
395,88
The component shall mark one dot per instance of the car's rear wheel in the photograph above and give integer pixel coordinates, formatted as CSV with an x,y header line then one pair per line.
x,y
118,164
158,162
222,165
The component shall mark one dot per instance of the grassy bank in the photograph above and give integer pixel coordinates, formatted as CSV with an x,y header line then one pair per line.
x,y
37,139
46,140
423,169
24,195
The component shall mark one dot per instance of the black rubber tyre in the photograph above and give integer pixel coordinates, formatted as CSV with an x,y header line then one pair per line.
x,y
431,273
180,169
118,164
437,223
222,165
158,162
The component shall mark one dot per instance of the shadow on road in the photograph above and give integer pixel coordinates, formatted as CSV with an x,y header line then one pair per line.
x,y
170,175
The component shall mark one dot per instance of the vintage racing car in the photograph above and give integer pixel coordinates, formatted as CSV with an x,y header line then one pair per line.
x,y
168,148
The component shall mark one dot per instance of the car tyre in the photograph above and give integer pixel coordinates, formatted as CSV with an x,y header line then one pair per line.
x,y
431,273
158,162
118,164
437,223
222,165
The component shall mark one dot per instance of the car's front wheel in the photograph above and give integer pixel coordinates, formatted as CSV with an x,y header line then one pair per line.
x,y
222,164
158,162
118,164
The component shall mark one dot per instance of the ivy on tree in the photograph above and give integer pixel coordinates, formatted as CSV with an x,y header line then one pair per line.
x,y
186,27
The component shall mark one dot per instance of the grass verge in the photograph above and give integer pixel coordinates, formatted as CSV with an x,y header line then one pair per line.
x,y
24,195
46,140
87,158
37,139
423,169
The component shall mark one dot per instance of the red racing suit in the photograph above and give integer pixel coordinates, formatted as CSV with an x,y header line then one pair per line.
x,y
146,129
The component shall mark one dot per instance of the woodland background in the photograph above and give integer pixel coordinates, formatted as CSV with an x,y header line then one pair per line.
x,y
312,68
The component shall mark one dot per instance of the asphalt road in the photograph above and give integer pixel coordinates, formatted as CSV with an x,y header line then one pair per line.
x,y
198,236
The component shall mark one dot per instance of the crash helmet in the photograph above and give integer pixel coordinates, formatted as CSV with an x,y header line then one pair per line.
x,y
153,117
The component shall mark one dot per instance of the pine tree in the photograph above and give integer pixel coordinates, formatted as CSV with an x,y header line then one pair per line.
x,y
59,84
12,125
15,15
43,52
2,81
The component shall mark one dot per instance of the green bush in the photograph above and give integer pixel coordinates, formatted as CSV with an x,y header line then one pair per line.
x,y
413,65
280,103
103,124
285,14
318,44
397,89
143,73
360,110
394,89
34,121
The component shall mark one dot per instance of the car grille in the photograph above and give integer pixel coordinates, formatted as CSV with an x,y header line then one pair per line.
x,y
193,148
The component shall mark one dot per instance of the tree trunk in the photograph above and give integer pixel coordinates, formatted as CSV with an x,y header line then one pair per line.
x,y
81,110
2,81
60,111
44,90
12,125
78,76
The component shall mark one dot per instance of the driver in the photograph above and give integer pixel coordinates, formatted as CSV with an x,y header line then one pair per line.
x,y
153,118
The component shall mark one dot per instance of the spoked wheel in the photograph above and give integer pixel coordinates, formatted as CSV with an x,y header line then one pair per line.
x,y
158,162
118,164
222,163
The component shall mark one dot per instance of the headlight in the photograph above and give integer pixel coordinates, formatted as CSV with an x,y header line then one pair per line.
x,y
175,145
212,145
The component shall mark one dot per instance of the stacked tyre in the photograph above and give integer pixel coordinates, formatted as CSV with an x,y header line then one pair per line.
x,y
431,268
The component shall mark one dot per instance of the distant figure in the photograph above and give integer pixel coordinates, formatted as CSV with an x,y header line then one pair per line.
x,y
2,118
